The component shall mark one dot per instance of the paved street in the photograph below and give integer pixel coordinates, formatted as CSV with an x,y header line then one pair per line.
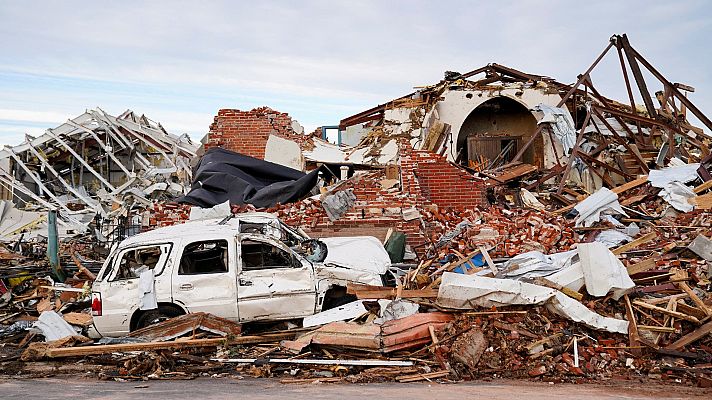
x,y
257,389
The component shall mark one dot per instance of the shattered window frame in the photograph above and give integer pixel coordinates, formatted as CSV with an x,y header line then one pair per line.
x,y
291,262
113,274
220,243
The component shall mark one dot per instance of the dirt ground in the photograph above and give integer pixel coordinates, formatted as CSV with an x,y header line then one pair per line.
x,y
257,389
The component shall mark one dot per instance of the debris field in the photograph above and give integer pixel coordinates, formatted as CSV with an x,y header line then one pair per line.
x,y
533,230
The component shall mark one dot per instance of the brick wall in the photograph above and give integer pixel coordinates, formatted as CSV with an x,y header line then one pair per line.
x,y
165,214
427,180
438,181
246,132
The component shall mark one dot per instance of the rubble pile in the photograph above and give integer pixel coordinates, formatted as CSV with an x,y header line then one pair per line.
x,y
579,252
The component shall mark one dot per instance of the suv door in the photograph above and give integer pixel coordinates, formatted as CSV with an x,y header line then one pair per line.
x,y
204,279
273,282
119,282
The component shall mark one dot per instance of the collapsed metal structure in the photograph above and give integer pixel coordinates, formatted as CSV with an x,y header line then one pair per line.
x,y
92,163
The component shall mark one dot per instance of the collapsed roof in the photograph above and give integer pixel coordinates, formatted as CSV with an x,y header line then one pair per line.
x,y
94,162
495,118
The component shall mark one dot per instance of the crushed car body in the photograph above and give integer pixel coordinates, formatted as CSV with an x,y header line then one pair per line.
x,y
245,268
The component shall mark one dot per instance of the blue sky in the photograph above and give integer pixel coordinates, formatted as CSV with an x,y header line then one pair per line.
x,y
179,62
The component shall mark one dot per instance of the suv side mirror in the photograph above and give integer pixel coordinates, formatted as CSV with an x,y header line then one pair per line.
x,y
314,250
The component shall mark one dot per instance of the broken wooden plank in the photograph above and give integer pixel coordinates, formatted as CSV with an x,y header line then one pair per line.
x,y
422,377
617,190
703,202
689,310
513,328
633,335
124,347
488,259
75,318
702,187
642,266
691,337
542,281
664,329
359,362
681,276
665,311
637,242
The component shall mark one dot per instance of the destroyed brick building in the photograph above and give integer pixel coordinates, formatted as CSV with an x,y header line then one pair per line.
x,y
534,229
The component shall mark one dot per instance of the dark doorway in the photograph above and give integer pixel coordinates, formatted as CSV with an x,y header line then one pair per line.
x,y
495,131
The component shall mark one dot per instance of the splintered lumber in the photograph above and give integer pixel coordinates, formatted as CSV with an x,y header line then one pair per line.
x,y
689,310
81,266
488,259
179,326
512,328
642,266
380,292
663,329
541,281
182,344
701,188
312,380
703,202
665,311
681,276
633,335
80,319
372,363
637,242
422,377
617,190
691,337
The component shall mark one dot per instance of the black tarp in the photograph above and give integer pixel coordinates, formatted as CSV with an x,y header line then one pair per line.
x,y
225,175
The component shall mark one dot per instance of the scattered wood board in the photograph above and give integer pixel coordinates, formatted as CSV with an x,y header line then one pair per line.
x,y
637,242
691,337
113,348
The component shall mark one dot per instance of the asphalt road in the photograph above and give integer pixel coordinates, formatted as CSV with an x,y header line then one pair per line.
x,y
258,389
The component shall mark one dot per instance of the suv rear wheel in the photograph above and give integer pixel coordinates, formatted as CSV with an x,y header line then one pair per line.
x,y
161,314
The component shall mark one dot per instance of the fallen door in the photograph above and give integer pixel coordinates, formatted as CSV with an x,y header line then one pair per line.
x,y
205,278
273,282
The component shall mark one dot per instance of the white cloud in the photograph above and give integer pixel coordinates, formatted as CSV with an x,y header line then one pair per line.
x,y
32,116
180,61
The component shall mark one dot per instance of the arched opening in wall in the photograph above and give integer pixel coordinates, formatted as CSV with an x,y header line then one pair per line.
x,y
494,132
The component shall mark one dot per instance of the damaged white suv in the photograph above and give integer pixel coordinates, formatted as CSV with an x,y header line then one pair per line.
x,y
251,267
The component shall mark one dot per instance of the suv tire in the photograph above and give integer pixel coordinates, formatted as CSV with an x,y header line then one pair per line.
x,y
161,314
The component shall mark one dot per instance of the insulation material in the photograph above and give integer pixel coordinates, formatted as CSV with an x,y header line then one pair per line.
x,y
612,238
530,200
345,312
221,210
590,209
395,309
671,180
337,204
602,270
467,291
535,264
53,326
678,195
561,124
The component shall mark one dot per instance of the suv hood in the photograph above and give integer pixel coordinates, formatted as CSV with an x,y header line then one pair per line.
x,y
363,253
